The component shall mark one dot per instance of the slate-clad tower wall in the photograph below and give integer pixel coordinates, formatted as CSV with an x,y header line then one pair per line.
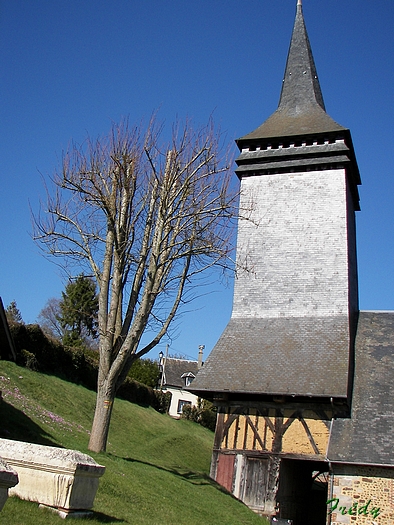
x,y
298,246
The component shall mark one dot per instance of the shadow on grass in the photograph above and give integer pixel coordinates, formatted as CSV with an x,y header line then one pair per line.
x,y
103,518
14,424
18,508
195,478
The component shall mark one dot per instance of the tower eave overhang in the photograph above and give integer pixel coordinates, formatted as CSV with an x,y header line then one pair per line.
x,y
223,396
232,401
245,395
300,122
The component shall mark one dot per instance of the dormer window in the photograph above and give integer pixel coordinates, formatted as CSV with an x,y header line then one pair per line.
x,y
188,378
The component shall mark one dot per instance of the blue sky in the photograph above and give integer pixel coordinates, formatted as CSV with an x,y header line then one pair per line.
x,y
71,67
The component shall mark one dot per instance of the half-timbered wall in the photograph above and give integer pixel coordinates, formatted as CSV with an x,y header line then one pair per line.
x,y
280,431
250,444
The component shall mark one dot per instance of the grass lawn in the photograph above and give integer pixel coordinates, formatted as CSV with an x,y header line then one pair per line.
x,y
156,467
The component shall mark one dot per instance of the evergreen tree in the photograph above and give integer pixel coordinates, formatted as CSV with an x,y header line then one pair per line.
x,y
78,311
145,371
13,313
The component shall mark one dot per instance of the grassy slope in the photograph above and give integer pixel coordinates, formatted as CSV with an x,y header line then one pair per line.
x,y
157,468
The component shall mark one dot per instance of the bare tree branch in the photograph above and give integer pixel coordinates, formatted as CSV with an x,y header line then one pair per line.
x,y
147,219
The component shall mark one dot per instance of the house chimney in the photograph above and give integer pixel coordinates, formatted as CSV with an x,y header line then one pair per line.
x,y
200,352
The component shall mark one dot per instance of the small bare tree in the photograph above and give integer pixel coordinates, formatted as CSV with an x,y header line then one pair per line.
x,y
49,319
147,220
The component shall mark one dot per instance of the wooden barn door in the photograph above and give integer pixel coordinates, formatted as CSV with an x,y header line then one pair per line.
x,y
255,482
225,471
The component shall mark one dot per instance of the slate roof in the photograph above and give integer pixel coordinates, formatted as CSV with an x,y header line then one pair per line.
x,y
174,369
367,438
301,107
306,356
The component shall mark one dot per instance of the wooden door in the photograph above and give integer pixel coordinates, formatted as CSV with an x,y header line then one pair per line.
x,y
225,471
255,482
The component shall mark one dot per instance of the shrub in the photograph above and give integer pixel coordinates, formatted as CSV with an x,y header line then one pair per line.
x,y
163,400
137,393
36,351
204,413
29,359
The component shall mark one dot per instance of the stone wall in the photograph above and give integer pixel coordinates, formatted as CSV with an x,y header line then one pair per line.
x,y
362,495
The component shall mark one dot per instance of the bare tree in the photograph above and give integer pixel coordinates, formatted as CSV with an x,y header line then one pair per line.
x,y
148,220
49,319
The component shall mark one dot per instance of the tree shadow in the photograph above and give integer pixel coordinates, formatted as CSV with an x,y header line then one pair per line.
x,y
14,424
195,478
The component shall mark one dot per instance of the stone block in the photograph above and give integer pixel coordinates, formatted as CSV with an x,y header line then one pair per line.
x,y
66,480
8,479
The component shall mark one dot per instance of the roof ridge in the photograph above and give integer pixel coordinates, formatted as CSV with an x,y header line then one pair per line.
x,y
180,359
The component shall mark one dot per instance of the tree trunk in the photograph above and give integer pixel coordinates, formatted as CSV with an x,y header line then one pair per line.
x,y
101,420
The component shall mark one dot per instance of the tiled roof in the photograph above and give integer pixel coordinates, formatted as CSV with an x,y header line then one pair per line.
x,y
176,368
367,437
307,356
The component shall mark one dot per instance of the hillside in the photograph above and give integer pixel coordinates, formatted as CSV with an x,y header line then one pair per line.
x,y
157,468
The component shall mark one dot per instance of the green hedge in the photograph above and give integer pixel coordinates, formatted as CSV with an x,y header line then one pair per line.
x,y
144,395
36,351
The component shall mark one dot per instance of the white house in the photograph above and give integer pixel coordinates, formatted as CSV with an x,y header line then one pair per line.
x,y
176,376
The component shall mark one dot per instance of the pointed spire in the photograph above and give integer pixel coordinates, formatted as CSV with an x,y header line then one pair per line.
x,y
301,109
301,87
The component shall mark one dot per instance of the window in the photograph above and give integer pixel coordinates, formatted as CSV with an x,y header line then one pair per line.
x,y
181,404
188,378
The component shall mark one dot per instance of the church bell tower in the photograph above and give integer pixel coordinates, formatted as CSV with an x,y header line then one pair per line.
x,y
296,293
283,368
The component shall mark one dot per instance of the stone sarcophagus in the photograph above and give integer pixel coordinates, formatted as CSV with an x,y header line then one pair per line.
x,y
8,479
65,480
